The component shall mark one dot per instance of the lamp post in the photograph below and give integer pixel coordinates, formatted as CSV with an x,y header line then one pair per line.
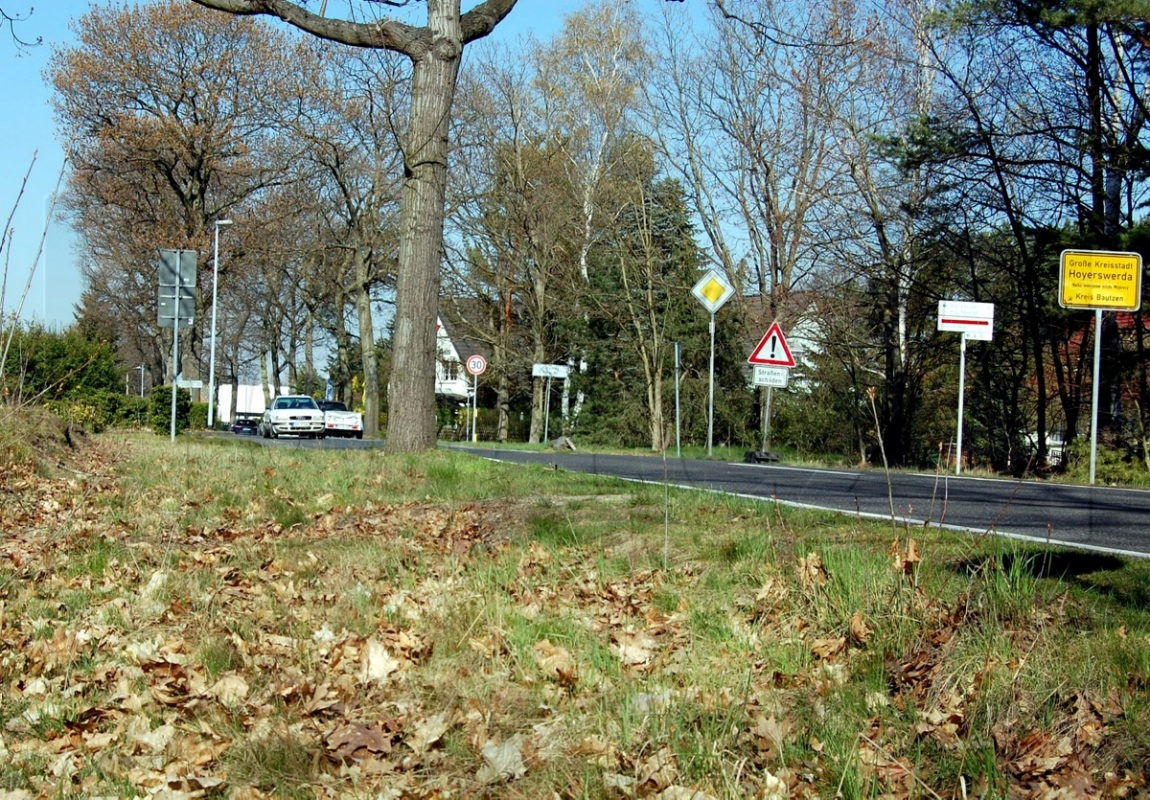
x,y
212,359
141,369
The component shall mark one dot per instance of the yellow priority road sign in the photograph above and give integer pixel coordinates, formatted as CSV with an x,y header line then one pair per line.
x,y
712,290
1100,280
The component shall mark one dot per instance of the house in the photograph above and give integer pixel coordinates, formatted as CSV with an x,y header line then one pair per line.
x,y
453,347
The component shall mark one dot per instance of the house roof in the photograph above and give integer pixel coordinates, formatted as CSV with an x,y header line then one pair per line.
x,y
462,320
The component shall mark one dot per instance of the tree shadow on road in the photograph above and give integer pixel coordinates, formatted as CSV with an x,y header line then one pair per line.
x,y
1121,580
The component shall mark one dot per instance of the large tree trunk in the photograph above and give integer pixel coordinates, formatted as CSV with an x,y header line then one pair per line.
x,y
435,51
411,390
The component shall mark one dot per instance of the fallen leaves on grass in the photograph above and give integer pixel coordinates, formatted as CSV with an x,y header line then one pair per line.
x,y
411,649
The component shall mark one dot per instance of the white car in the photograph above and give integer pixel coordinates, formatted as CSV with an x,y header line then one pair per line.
x,y
338,421
292,415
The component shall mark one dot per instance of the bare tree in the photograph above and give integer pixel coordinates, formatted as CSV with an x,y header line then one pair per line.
x,y
163,109
348,116
515,214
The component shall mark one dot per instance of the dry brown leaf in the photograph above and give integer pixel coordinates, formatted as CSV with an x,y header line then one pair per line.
x,y
905,561
428,732
894,774
860,632
829,647
634,649
376,664
619,786
502,762
812,571
683,793
357,741
231,689
555,662
656,772
767,735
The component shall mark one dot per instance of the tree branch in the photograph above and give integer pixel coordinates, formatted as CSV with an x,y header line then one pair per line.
x,y
10,20
385,34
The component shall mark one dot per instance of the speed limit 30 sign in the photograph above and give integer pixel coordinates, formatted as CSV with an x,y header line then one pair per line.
x,y
476,364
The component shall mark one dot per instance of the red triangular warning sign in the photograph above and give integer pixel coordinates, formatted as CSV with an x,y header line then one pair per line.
x,y
773,350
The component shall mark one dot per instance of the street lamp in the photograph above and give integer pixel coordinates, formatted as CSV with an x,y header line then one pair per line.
x,y
212,360
141,369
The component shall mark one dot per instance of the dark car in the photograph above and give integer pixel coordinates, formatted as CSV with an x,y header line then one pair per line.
x,y
246,423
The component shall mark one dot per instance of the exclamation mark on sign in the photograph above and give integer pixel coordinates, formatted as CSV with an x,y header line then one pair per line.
x,y
774,345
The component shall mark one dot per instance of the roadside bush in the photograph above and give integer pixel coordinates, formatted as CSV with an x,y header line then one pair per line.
x,y
64,366
96,411
198,416
131,412
160,410
86,414
1119,466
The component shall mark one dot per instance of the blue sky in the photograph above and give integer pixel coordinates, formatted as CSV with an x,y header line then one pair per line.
x,y
27,132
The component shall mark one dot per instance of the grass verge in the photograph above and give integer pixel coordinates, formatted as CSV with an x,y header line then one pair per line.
x,y
225,620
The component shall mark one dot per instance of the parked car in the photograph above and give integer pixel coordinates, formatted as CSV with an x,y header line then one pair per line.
x,y
338,421
292,415
246,423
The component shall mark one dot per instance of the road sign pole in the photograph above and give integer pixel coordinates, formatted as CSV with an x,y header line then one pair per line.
x,y
712,290
711,392
474,408
961,403
678,361
547,412
767,421
175,348
1094,393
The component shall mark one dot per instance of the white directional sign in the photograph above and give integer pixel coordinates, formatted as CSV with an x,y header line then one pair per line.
x,y
776,377
550,371
712,290
772,350
476,364
976,320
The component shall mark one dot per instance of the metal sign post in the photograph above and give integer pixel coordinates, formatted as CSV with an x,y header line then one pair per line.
x,y
961,404
1094,393
549,371
772,362
974,321
712,290
1099,280
476,365
678,363
176,307
175,364
215,293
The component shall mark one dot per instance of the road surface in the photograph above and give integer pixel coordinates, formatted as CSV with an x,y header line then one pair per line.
x,y
1091,517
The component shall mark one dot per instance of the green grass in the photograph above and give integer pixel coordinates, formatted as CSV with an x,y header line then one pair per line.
x,y
689,626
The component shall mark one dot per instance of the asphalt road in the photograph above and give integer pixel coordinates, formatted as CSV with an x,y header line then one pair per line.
x,y
1096,518
1090,517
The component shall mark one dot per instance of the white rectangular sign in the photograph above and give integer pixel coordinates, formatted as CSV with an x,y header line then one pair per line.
x,y
976,320
550,371
771,376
